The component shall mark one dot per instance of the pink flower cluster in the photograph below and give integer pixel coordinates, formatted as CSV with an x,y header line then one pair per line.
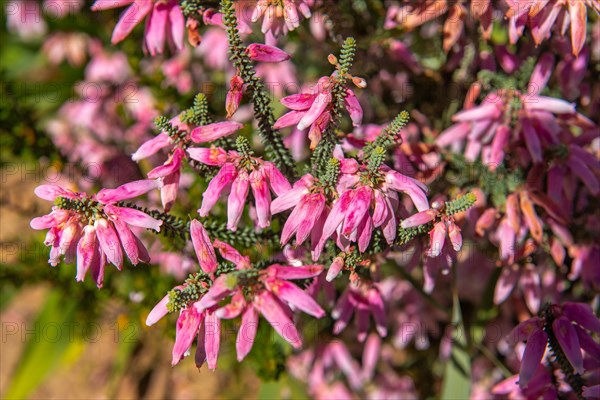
x,y
95,229
268,293
170,172
314,109
237,175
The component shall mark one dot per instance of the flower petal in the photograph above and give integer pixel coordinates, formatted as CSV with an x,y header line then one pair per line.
x,y
187,328
569,342
127,191
203,247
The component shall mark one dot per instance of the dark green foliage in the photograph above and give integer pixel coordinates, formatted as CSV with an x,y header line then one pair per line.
x,y
164,125
179,299
390,136
405,235
460,204
90,209
198,113
497,184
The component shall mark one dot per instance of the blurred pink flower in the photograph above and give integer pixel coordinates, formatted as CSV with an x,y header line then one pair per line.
x,y
165,23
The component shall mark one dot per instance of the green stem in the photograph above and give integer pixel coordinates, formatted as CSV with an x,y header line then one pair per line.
x,y
323,151
263,113
175,227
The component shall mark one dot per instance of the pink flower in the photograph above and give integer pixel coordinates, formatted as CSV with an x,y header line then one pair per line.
x,y
203,247
320,366
273,303
165,22
527,278
442,228
24,17
253,292
105,66
62,46
280,76
212,132
335,268
483,130
280,18
314,109
265,53
361,301
362,207
413,14
177,73
238,174
540,384
193,322
309,211
95,229
170,172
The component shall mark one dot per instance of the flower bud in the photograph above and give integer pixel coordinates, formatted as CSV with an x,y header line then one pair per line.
x,y
234,95
194,37
266,53
359,82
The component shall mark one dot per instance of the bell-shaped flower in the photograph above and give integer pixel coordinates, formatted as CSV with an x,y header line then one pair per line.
x,y
95,229
238,175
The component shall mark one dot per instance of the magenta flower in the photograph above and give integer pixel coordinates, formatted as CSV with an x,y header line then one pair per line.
x,y
337,265
193,323
238,174
165,23
540,385
24,18
207,328
314,109
442,228
268,293
212,132
537,121
363,206
170,172
309,212
323,368
568,323
271,297
272,301
438,235
584,264
95,229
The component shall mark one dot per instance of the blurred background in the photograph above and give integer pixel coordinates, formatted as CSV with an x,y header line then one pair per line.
x,y
73,108
63,98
